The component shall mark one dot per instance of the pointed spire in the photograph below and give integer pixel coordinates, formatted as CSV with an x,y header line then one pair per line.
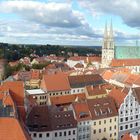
x,y
105,31
111,30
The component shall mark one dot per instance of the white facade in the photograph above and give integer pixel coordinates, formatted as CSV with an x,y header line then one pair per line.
x,y
107,47
84,130
77,90
129,115
67,134
72,63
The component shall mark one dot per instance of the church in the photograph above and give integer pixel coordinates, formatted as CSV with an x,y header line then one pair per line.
x,y
118,56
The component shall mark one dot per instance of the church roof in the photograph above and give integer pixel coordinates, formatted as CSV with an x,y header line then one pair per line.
x,y
125,62
127,52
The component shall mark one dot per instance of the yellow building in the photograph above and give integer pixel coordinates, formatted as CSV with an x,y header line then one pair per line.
x,y
104,122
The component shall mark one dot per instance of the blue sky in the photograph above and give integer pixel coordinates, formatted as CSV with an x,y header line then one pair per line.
x,y
68,22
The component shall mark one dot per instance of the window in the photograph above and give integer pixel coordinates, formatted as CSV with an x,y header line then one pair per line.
x,y
131,125
110,120
126,126
121,120
115,127
60,134
104,121
121,127
136,124
110,135
73,132
55,134
115,119
34,135
136,116
69,132
110,127
115,134
40,135
64,133
94,131
99,130
99,122
126,119
47,135
104,129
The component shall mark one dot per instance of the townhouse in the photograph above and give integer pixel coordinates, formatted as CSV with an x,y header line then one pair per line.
x,y
78,82
83,117
104,115
55,123
128,104
56,84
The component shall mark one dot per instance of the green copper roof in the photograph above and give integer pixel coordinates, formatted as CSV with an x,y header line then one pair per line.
x,y
126,52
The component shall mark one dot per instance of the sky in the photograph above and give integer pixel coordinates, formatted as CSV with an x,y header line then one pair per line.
x,y
69,22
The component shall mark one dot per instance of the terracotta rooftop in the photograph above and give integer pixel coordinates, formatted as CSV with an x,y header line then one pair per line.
x,y
125,62
131,79
137,82
118,94
96,90
82,111
67,99
136,93
55,82
127,137
16,90
102,108
10,129
107,74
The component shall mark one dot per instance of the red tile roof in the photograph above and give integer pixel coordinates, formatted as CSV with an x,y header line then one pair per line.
x,y
137,82
16,90
118,94
66,99
127,137
56,82
125,62
131,79
82,111
107,74
101,108
10,129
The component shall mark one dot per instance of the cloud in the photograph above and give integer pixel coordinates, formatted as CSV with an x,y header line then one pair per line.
x,y
50,14
128,10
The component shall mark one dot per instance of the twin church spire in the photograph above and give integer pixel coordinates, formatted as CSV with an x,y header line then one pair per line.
x,y
108,50
108,33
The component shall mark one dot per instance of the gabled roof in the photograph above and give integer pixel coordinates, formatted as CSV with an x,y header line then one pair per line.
x,y
85,80
56,82
102,108
67,99
44,118
131,79
137,82
136,93
82,111
10,129
108,74
16,90
118,94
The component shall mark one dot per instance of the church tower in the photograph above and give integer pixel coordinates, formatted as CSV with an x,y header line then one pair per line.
x,y
108,51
